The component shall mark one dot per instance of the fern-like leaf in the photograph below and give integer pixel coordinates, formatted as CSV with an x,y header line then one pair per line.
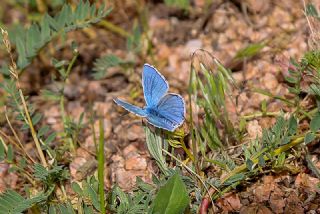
x,y
31,40
12,202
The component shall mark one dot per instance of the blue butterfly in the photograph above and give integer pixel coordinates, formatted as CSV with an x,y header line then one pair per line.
x,y
163,110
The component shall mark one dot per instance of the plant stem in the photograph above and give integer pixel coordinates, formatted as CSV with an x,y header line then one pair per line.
x,y
33,132
190,170
183,145
260,114
193,139
62,109
17,138
92,127
114,28
101,166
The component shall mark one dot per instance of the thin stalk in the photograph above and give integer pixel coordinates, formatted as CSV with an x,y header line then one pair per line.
x,y
260,114
62,109
10,140
17,138
101,166
191,171
15,75
183,145
92,127
33,132
193,140
114,28
4,145
26,174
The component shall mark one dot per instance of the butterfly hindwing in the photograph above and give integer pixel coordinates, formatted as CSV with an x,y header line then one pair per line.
x,y
169,113
154,85
161,122
132,108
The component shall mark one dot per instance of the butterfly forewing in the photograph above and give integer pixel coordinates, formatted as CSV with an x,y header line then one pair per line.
x,y
129,107
154,85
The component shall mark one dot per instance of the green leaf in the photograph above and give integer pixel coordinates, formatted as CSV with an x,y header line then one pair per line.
x,y
235,178
311,10
262,162
22,59
314,89
2,150
290,79
31,40
315,122
40,172
312,166
12,202
293,125
50,95
102,64
309,137
10,153
250,50
50,138
249,164
88,210
22,163
66,208
294,90
43,130
76,188
183,4
154,144
52,209
36,118
172,198
93,196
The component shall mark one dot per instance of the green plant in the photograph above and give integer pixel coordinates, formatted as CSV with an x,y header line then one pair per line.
x,y
168,194
49,175
101,166
31,40
71,127
208,89
134,46
12,202
172,197
183,4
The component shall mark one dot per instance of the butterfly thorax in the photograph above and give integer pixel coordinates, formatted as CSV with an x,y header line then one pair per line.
x,y
152,111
